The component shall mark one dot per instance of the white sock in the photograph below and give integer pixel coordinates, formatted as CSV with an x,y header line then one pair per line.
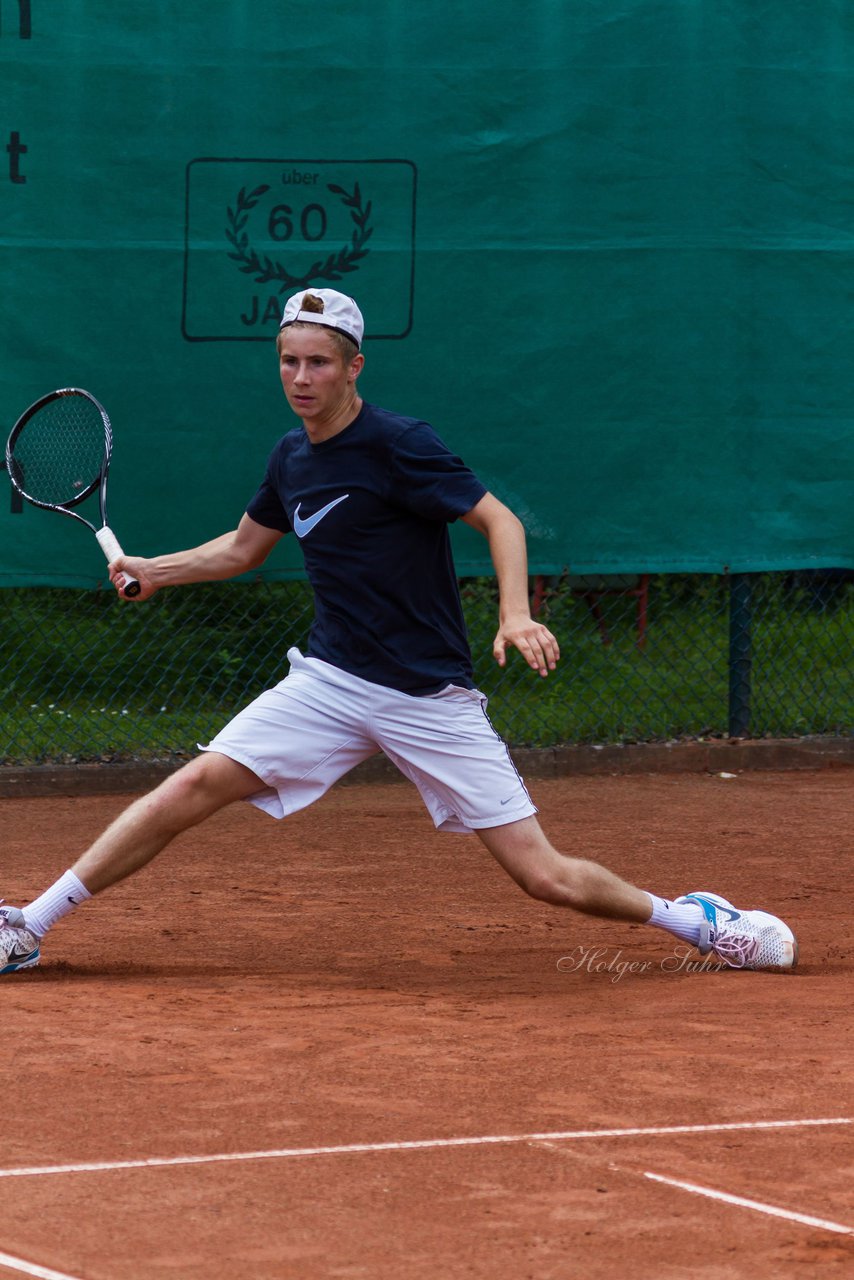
x,y
54,903
682,918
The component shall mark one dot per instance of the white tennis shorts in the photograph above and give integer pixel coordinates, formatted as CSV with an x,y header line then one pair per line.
x,y
319,722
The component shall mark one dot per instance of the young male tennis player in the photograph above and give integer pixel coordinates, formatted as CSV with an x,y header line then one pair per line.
x,y
370,495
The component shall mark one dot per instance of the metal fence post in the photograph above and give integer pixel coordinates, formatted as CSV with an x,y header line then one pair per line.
x,y
740,619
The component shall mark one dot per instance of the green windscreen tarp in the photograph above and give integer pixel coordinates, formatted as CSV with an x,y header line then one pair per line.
x,y
605,248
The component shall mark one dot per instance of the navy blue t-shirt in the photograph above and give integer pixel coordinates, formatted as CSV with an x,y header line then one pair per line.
x,y
371,508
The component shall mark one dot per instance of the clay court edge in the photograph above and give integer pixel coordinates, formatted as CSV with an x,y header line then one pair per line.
x,y
714,756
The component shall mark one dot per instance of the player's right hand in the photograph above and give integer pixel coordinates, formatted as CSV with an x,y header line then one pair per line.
x,y
134,566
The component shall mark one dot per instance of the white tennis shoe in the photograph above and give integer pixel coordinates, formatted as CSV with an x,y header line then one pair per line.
x,y
743,939
19,948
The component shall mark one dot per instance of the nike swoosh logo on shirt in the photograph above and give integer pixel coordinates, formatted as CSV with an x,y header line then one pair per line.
x,y
302,527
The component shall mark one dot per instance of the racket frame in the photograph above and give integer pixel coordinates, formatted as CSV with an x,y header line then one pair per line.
x,y
106,538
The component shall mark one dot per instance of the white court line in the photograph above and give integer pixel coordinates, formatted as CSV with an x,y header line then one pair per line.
x,y
770,1209
285,1153
32,1268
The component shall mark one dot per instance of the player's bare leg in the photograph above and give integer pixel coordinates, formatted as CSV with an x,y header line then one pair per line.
x,y
741,939
522,849
199,789
145,828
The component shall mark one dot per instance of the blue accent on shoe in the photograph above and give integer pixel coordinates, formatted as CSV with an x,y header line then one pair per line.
x,y
709,908
708,926
25,961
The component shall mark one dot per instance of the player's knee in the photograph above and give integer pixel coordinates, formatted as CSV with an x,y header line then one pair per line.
x,y
542,887
537,867
561,884
186,786
185,797
545,887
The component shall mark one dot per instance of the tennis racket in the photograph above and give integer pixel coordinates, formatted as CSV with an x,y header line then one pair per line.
x,y
58,454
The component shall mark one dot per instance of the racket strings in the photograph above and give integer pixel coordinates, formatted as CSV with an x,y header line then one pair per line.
x,y
58,455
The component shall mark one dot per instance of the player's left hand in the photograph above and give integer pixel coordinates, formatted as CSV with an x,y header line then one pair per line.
x,y
534,641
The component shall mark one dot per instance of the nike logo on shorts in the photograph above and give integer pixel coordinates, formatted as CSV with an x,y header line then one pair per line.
x,y
302,527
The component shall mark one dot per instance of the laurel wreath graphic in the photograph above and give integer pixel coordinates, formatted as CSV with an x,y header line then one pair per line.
x,y
268,271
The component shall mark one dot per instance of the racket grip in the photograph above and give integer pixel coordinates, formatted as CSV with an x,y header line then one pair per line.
x,y
109,544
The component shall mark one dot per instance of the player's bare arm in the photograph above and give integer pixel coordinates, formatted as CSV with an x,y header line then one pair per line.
x,y
506,537
233,553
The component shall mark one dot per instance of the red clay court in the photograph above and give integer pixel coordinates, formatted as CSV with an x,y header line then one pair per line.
x,y
346,1046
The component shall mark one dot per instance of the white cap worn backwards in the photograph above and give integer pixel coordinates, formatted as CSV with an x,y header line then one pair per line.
x,y
339,313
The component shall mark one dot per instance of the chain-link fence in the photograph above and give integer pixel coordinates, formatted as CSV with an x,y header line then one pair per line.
x,y
87,677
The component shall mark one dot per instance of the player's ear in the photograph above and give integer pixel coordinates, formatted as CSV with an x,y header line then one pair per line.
x,y
357,364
